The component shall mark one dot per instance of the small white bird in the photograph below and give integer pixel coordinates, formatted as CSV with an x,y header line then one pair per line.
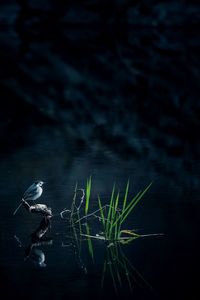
x,y
32,193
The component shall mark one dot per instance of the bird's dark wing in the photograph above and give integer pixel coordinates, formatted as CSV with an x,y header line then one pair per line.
x,y
30,192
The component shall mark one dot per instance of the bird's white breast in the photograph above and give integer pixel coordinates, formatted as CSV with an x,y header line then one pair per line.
x,y
40,190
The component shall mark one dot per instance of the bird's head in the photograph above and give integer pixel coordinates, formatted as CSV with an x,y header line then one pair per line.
x,y
39,183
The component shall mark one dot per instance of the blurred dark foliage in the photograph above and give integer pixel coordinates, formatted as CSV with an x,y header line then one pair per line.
x,y
123,74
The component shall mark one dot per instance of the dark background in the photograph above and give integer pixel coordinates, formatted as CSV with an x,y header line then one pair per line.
x,y
108,88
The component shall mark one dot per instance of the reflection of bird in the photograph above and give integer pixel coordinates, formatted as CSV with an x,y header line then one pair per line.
x,y
38,257
35,255
32,193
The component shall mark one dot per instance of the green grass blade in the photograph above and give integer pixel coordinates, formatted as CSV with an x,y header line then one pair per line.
x,y
131,205
108,223
129,232
86,199
88,192
116,203
134,203
113,215
124,205
116,213
101,211
128,241
116,232
128,206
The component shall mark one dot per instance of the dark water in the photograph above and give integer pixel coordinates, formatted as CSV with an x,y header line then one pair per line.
x,y
168,263
109,91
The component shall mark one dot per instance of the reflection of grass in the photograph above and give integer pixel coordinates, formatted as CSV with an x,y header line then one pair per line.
x,y
120,270
90,247
116,266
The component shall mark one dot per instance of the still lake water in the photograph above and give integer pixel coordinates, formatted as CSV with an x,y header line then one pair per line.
x,y
166,263
115,101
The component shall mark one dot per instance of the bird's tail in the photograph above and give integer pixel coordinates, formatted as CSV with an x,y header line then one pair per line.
x,y
18,208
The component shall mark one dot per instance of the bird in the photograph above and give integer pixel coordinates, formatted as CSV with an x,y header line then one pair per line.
x,y
32,193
